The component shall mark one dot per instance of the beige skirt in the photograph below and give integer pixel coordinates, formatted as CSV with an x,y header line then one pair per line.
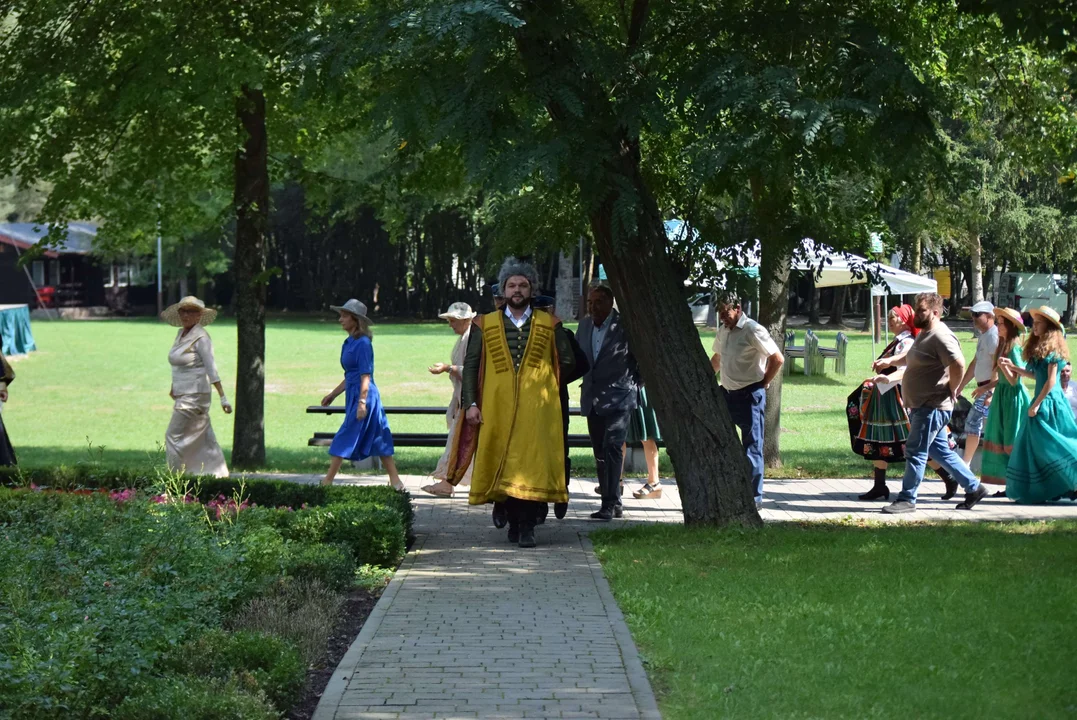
x,y
190,443
441,472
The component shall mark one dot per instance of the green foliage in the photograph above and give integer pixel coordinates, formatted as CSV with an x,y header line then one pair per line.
x,y
375,535
333,565
257,662
192,698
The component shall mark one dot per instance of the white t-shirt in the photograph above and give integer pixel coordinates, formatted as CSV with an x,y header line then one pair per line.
x,y
985,354
743,352
1071,394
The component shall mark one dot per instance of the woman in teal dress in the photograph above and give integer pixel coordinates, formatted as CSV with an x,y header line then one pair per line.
x,y
1043,464
1009,404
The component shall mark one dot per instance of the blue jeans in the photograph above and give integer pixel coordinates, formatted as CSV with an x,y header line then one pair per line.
x,y
747,408
927,438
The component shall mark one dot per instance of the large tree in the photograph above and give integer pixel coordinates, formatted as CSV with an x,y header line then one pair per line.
x,y
581,116
128,109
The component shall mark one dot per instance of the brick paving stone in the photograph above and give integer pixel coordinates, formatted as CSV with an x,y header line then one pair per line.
x,y
474,627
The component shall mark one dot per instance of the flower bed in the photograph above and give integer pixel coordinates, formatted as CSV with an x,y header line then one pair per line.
x,y
125,601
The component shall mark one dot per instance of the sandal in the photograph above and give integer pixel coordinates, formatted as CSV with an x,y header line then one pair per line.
x,y
433,490
648,492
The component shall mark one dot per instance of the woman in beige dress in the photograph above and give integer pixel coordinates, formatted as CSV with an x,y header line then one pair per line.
x,y
459,316
190,444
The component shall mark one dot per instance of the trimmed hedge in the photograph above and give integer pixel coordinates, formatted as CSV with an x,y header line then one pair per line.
x,y
266,493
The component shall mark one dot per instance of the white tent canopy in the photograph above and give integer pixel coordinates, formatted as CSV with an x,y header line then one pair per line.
x,y
838,270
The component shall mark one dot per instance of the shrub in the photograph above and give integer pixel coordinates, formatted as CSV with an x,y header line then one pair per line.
x,y
333,565
186,698
374,534
301,611
254,661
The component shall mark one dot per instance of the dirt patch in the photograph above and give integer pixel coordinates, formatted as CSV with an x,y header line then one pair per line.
x,y
353,615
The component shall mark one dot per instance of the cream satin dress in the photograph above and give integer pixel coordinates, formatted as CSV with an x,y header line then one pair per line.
x,y
190,444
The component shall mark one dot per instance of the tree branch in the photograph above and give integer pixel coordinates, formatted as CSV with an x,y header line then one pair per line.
x,y
640,10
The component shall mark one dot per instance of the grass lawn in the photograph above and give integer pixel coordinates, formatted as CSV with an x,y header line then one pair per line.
x,y
852,621
99,390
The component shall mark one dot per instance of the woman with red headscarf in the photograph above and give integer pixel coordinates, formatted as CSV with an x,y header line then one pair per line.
x,y
878,423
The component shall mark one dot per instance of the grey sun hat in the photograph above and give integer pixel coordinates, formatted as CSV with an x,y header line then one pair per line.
x,y
353,306
458,311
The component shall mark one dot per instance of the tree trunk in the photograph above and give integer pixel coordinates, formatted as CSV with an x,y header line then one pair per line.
x,y
711,470
251,201
585,281
976,269
774,269
813,303
1067,319
837,310
917,254
566,284
955,286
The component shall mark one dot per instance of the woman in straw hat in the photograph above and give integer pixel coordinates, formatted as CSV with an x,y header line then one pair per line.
x,y
1009,406
365,432
1043,464
459,316
190,443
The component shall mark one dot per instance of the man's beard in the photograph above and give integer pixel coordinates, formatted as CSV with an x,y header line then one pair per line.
x,y
518,302
921,324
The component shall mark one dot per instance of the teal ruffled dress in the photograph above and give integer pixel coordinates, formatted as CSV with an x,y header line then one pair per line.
x,y
1009,411
1043,464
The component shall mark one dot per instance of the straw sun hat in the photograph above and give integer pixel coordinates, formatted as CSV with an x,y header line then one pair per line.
x,y
172,317
1049,314
458,311
1013,316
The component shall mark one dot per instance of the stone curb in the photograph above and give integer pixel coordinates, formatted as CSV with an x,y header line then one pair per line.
x,y
637,676
345,670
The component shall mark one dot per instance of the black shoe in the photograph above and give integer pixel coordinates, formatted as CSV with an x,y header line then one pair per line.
x,y
1000,493
899,507
971,498
514,533
618,511
542,513
949,482
603,514
527,537
559,510
876,493
500,515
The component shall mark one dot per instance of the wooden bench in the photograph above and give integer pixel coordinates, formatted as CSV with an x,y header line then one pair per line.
x,y
792,351
412,439
818,355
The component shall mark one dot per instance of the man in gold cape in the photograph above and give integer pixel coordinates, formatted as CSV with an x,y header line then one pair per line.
x,y
511,393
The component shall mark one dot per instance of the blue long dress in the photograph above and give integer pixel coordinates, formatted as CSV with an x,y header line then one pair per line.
x,y
1043,464
369,437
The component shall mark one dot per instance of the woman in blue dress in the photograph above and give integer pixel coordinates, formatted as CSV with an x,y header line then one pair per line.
x,y
1043,464
365,432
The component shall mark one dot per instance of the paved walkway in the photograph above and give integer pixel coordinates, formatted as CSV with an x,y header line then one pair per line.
x,y
474,627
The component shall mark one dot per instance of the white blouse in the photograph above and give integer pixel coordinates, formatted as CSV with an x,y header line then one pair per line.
x,y
193,367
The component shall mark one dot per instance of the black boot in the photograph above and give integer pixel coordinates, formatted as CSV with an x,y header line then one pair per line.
x,y
879,491
542,513
514,533
527,536
949,482
500,515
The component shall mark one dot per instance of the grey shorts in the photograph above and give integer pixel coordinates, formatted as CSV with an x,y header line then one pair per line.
x,y
974,423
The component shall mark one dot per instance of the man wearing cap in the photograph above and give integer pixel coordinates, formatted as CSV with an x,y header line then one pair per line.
x,y
608,395
934,368
983,369
459,316
511,396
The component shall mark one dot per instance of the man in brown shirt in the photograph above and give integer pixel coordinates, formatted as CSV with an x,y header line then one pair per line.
x,y
930,384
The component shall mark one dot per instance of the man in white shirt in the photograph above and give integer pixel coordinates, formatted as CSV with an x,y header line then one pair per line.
x,y
983,368
1069,388
747,359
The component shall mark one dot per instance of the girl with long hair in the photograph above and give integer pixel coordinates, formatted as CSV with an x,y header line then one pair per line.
x,y
1043,464
1009,406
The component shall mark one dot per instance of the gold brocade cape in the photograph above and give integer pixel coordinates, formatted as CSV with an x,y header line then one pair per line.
x,y
519,448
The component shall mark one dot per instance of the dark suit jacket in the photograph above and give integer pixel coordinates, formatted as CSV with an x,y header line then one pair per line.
x,y
613,379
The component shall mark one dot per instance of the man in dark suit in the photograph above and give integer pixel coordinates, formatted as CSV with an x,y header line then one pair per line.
x,y
609,394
